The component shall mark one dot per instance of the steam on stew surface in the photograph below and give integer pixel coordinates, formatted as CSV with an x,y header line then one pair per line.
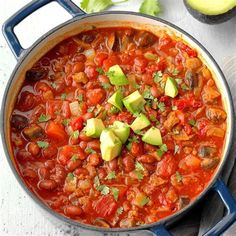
x,y
117,127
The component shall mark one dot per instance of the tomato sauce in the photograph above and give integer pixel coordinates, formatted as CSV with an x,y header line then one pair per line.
x,y
145,183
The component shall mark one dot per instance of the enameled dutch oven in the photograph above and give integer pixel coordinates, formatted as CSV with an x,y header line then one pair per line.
x,y
79,22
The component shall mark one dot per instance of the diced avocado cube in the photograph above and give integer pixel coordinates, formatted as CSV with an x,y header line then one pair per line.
x,y
121,130
110,145
171,89
117,76
140,123
116,100
134,102
94,127
152,136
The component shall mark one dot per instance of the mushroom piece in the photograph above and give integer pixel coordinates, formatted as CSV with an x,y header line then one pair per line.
x,y
171,121
144,39
206,151
215,114
19,122
209,163
183,201
36,74
33,131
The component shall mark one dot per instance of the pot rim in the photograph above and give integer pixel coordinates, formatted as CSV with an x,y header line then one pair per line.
x,y
168,220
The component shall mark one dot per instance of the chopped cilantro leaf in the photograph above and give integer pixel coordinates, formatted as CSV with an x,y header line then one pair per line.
x,y
75,134
139,175
44,118
139,166
178,81
192,122
179,177
96,181
111,175
114,110
184,87
161,106
70,176
53,84
43,144
175,72
120,210
158,77
147,95
115,192
65,122
100,70
103,189
63,96
89,150
163,148
174,108
74,158
144,201
106,85
90,109
57,113
80,98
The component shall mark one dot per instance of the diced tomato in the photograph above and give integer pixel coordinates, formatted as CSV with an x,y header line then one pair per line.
x,y
77,123
166,100
41,87
55,131
105,206
54,106
140,63
181,104
167,166
91,72
100,57
110,61
187,129
183,47
165,42
95,96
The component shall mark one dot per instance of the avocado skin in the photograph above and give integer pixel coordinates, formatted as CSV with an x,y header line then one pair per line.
x,y
210,19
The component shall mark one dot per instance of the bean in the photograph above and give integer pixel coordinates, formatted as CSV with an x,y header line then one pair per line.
x,y
113,164
83,145
128,163
72,210
33,148
22,155
29,173
78,67
136,149
49,152
84,137
146,158
88,115
95,144
43,173
60,174
50,164
94,159
79,58
81,172
102,173
73,164
149,148
47,184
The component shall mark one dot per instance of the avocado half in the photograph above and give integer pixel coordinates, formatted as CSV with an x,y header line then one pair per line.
x,y
211,11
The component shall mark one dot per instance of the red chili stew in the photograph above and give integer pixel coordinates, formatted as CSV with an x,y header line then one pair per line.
x,y
143,179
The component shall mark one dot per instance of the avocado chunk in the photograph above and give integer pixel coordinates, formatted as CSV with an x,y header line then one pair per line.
x,y
121,130
116,100
140,123
152,136
171,89
211,11
117,76
94,127
110,145
134,102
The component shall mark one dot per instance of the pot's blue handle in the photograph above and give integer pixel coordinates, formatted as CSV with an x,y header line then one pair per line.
x,y
223,224
8,26
230,205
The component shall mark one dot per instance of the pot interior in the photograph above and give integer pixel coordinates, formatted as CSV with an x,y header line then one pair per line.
x,y
110,19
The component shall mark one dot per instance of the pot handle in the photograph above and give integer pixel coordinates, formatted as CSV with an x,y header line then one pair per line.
x,y
8,26
223,224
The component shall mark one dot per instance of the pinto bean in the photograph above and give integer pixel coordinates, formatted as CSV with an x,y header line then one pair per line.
x,y
81,172
87,116
83,145
47,184
128,163
84,137
28,172
94,159
50,164
95,144
147,158
43,173
33,148
72,210
113,164
73,164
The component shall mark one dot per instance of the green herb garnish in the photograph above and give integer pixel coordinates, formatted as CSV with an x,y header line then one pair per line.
x,y
63,96
192,122
115,192
111,175
161,106
100,70
179,177
44,118
42,144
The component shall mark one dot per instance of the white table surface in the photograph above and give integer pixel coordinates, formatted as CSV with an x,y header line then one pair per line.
x,y
19,215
